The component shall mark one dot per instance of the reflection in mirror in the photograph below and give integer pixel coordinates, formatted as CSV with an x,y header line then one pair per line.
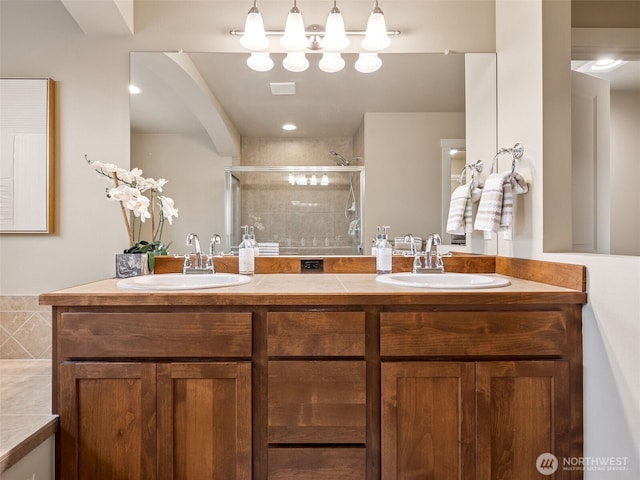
x,y
201,112
605,114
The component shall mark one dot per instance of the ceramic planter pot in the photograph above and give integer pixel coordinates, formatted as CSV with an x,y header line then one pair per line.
x,y
131,265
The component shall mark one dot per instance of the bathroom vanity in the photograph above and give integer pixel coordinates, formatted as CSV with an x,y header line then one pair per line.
x,y
308,376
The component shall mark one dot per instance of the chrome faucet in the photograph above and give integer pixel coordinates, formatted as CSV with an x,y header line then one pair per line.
x,y
188,268
432,259
215,240
409,238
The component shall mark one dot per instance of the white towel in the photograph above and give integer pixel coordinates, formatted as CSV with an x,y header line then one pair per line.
x,y
459,221
495,212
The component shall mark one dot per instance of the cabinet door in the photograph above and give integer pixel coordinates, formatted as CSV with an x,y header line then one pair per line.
x,y
428,420
523,412
204,421
107,421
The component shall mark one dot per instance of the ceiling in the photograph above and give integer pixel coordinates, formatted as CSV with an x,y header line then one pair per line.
x,y
324,104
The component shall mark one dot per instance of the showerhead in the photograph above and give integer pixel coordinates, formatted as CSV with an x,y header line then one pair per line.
x,y
343,162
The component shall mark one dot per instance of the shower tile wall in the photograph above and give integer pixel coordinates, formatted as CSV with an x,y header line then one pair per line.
x,y
25,328
302,219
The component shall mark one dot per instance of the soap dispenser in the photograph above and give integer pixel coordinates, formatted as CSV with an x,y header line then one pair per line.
x,y
384,252
252,239
246,253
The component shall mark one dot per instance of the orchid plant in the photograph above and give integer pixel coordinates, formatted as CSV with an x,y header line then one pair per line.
x,y
139,199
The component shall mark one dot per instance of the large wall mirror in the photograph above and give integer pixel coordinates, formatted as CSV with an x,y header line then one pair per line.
x,y
198,113
605,100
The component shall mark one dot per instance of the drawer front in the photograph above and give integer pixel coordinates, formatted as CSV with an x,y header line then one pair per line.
x,y
154,335
316,402
316,463
434,334
316,334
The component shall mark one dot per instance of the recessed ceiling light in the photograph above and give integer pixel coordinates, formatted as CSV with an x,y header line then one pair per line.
x,y
289,126
605,65
134,90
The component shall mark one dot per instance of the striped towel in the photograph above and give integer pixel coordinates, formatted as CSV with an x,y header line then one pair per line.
x,y
495,212
459,221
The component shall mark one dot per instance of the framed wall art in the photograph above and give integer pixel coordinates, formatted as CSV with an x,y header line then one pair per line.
x,y
26,155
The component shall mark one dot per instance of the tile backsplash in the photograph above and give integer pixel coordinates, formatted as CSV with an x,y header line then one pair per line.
x,y
25,328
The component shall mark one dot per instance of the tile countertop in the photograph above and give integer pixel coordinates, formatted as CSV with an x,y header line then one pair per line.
x,y
313,288
25,408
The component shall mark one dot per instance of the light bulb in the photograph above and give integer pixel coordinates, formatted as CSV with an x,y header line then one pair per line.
x,y
331,62
376,37
254,37
260,61
295,62
368,62
294,38
335,38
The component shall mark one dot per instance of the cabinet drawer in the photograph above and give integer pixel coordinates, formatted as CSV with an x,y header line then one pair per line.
x,y
460,334
315,463
154,335
316,402
316,334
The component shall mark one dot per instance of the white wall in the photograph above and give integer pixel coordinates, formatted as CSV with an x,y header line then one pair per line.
x,y
533,45
407,143
196,183
625,172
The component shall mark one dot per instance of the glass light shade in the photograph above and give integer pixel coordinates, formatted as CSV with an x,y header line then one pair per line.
x,y
294,38
295,62
334,38
331,62
376,37
368,62
260,61
253,37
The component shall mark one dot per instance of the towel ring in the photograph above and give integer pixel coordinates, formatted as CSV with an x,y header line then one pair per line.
x,y
474,167
516,153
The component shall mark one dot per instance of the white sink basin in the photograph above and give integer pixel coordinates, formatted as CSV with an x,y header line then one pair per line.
x,y
454,281
178,281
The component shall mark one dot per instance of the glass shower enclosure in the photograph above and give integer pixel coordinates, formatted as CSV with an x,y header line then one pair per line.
x,y
296,210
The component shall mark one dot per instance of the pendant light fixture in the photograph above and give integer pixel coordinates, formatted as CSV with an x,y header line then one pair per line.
x,y
331,40
294,38
335,38
254,37
376,37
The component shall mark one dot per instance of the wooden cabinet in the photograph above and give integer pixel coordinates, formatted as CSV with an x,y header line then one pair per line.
x,y
454,408
148,418
468,420
317,393
360,383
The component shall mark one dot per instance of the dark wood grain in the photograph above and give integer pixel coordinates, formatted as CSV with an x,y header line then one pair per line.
x,y
107,421
316,463
316,334
428,420
154,335
204,421
523,411
474,334
553,273
317,402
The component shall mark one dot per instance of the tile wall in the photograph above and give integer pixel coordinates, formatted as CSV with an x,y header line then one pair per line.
x,y
25,328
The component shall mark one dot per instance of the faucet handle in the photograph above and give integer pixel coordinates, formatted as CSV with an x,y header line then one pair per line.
x,y
215,240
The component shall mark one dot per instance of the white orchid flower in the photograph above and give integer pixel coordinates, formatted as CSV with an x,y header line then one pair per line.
x,y
168,210
139,206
